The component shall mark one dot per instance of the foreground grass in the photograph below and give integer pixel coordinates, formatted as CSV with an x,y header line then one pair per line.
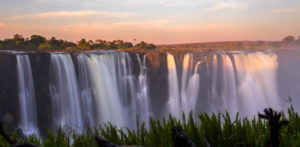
x,y
217,129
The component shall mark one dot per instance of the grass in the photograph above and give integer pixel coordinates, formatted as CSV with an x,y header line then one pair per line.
x,y
219,130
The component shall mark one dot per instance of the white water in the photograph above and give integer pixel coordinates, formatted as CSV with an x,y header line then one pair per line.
x,y
257,88
86,91
27,102
110,92
101,88
174,105
245,83
65,92
229,94
144,111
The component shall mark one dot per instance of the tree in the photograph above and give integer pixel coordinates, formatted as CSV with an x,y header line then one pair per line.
x,y
288,39
144,45
37,39
111,45
1,44
141,45
18,38
45,46
128,45
83,44
151,46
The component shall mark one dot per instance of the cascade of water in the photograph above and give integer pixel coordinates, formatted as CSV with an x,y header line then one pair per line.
x,y
64,92
126,87
27,102
174,103
192,91
244,83
106,88
86,93
257,87
119,95
142,92
228,93
189,84
214,97
103,71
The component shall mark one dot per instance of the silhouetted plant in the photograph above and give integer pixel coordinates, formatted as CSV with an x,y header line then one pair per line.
x,y
275,125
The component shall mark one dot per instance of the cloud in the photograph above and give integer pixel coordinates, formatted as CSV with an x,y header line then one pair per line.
x,y
2,24
284,10
229,4
63,14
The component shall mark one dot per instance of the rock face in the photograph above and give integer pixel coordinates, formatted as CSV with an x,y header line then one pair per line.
x,y
8,90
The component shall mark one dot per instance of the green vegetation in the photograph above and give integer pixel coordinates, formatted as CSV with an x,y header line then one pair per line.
x,y
219,130
37,42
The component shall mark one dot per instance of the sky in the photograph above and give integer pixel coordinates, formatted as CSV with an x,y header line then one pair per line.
x,y
154,21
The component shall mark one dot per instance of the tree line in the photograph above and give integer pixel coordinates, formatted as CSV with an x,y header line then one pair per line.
x,y
38,42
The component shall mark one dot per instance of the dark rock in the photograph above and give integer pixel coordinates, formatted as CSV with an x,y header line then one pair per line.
x,y
104,143
180,138
24,145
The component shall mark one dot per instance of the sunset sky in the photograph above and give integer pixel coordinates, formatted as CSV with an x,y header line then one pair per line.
x,y
155,21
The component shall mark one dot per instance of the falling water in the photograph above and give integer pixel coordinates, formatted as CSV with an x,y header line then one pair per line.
x,y
142,92
65,92
174,98
27,102
87,98
228,94
257,88
119,95
245,83
94,88
102,70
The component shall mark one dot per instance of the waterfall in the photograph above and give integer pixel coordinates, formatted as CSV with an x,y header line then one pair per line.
x,y
119,95
189,84
174,105
87,98
184,99
102,70
27,102
142,92
257,85
65,92
245,83
92,88
229,94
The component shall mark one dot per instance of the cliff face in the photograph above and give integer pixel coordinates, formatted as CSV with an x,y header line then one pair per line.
x,y
8,90
158,79
40,65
